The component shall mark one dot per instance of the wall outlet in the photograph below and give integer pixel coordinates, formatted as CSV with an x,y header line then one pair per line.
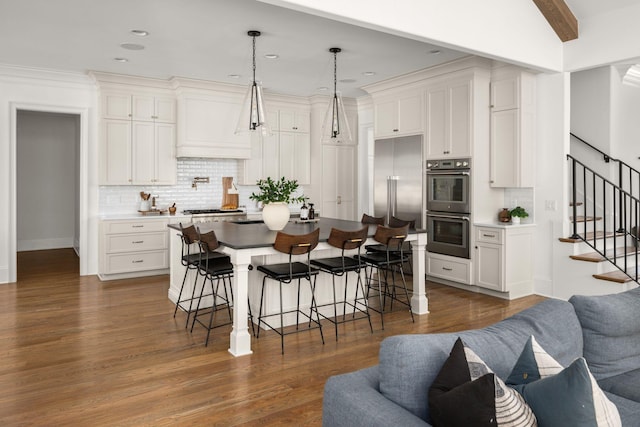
x,y
550,205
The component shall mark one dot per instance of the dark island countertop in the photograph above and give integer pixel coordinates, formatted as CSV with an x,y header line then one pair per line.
x,y
252,235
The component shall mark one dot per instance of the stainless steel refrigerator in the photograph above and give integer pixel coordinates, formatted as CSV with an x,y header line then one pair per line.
x,y
397,170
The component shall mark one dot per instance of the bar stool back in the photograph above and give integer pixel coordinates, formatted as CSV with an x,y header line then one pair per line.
x,y
287,273
213,270
341,266
386,264
190,258
367,219
395,222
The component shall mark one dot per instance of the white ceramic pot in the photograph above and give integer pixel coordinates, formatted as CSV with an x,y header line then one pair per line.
x,y
276,215
515,220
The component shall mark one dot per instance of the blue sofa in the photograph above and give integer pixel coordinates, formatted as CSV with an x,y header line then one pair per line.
x,y
605,330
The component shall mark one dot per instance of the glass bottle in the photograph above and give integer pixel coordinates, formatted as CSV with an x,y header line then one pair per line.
x,y
312,212
304,212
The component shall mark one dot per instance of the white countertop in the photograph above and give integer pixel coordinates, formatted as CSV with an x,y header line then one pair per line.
x,y
496,224
138,215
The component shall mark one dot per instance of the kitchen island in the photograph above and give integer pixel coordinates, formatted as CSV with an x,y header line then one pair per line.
x,y
250,244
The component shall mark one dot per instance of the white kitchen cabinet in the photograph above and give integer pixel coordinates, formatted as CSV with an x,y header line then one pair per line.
x,y
127,106
399,115
284,153
339,181
512,143
504,258
137,153
449,126
449,268
133,248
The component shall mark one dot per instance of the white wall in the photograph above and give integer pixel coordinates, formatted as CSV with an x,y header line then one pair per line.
x,y
47,180
47,91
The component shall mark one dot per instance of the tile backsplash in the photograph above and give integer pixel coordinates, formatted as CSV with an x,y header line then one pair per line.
x,y
126,198
523,197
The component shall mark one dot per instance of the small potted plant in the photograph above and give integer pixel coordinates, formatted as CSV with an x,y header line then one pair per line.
x,y
276,196
517,214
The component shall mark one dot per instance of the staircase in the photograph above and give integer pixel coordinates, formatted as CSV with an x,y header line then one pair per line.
x,y
604,219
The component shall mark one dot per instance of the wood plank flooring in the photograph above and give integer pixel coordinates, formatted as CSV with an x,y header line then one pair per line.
x,y
75,351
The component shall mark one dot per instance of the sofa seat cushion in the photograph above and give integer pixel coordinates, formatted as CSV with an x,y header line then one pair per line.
x,y
410,363
628,409
611,336
626,385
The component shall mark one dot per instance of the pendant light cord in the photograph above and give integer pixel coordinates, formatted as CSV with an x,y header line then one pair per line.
x,y
335,72
254,59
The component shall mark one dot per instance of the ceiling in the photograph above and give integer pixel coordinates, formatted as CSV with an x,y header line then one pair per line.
x,y
207,39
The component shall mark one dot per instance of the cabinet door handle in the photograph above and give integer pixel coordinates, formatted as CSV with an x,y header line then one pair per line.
x,y
488,235
137,226
137,261
339,200
447,269
138,241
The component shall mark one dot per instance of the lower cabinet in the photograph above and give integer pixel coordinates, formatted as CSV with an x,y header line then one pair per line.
x,y
449,268
133,248
504,259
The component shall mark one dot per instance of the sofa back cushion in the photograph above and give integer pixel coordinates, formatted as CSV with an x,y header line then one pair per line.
x,y
410,363
611,331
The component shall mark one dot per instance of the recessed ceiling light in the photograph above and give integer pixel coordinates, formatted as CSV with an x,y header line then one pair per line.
x,y
435,51
121,59
348,81
234,76
369,73
140,33
131,46
323,89
272,56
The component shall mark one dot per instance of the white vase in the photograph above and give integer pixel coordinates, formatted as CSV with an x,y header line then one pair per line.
x,y
276,215
515,220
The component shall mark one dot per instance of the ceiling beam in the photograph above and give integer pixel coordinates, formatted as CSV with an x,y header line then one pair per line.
x,y
560,17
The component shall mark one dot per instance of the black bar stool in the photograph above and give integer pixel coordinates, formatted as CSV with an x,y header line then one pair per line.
x,y
341,266
406,246
386,263
191,257
213,270
286,273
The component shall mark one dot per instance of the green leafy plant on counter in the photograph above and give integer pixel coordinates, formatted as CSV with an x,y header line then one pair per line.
x,y
518,212
277,191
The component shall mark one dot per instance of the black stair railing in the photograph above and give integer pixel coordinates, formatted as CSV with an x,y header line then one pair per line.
x,y
597,194
628,177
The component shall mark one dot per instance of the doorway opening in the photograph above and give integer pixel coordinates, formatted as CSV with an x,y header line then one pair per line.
x,y
47,184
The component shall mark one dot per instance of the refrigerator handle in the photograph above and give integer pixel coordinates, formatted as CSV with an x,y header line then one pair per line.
x,y
392,196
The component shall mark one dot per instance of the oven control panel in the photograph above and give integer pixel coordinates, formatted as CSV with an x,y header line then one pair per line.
x,y
449,164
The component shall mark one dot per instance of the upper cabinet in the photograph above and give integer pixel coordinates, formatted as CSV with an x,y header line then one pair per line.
x,y
449,125
400,114
293,120
138,137
512,144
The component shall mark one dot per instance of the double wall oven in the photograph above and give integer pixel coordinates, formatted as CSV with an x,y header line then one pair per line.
x,y
448,206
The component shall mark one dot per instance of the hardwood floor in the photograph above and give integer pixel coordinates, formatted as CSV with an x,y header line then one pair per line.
x,y
78,351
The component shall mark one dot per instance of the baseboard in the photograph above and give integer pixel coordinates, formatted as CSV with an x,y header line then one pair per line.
x,y
41,244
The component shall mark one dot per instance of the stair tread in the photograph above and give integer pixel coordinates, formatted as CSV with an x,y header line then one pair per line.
x,y
614,276
597,257
581,218
589,236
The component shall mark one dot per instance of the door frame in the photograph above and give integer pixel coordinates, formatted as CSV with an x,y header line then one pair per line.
x,y
83,186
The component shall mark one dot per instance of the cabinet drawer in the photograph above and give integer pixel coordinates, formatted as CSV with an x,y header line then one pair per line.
x,y
141,226
128,262
135,242
489,235
448,269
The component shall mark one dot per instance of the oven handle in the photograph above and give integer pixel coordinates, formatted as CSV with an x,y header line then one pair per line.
x,y
441,172
464,218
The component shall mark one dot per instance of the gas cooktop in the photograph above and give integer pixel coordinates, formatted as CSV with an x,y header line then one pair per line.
x,y
210,211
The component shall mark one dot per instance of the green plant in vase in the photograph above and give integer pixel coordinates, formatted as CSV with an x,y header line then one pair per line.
x,y
276,196
517,214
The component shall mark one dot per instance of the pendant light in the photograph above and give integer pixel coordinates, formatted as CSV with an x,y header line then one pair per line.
x,y
336,127
253,116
